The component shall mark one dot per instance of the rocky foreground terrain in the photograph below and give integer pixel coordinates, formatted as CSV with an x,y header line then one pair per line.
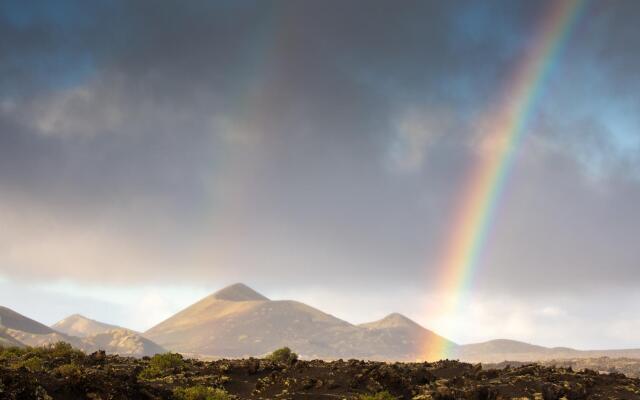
x,y
628,366
59,372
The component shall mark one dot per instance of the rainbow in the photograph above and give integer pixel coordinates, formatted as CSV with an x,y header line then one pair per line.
x,y
505,131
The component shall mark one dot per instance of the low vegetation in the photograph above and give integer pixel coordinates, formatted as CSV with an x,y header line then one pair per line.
x,y
69,371
200,393
378,396
60,373
284,356
32,357
163,364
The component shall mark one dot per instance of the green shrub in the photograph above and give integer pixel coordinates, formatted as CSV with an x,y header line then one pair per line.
x,y
200,393
68,371
283,355
33,364
11,352
64,350
378,396
162,364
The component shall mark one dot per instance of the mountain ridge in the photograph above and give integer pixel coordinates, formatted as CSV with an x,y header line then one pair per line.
x,y
237,321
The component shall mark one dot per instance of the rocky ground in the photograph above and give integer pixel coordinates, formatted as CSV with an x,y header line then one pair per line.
x,y
63,373
628,366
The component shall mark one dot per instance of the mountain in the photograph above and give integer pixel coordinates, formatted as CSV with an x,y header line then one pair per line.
x,y
29,332
21,330
238,321
81,326
12,320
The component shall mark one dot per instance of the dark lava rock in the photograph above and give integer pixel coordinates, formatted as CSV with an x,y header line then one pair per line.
x,y
101,376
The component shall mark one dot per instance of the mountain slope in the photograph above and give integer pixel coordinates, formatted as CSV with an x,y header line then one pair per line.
x,y
43,339
12,320
237,321
123,342
7,340
81,326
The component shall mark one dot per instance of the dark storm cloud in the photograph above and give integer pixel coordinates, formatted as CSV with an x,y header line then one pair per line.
x,y
310,140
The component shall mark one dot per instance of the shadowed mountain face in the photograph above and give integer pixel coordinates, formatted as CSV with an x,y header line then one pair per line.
x,y
12,320
81,326
237,321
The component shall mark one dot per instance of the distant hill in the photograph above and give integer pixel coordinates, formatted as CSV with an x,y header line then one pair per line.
x,y
123,342
20,330
398,337
495,351
81,326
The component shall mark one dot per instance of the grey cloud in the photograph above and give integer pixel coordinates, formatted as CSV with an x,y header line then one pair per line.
x,y
255,137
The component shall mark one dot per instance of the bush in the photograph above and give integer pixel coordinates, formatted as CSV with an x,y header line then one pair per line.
x,y
378,396
33,364
60,350
200,393
11,352
68,371
283,355
63,350
162,364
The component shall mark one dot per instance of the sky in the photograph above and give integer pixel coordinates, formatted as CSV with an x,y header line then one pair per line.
x,y
154,152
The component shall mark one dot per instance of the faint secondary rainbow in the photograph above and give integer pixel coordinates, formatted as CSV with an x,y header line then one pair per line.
x,y
505,129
